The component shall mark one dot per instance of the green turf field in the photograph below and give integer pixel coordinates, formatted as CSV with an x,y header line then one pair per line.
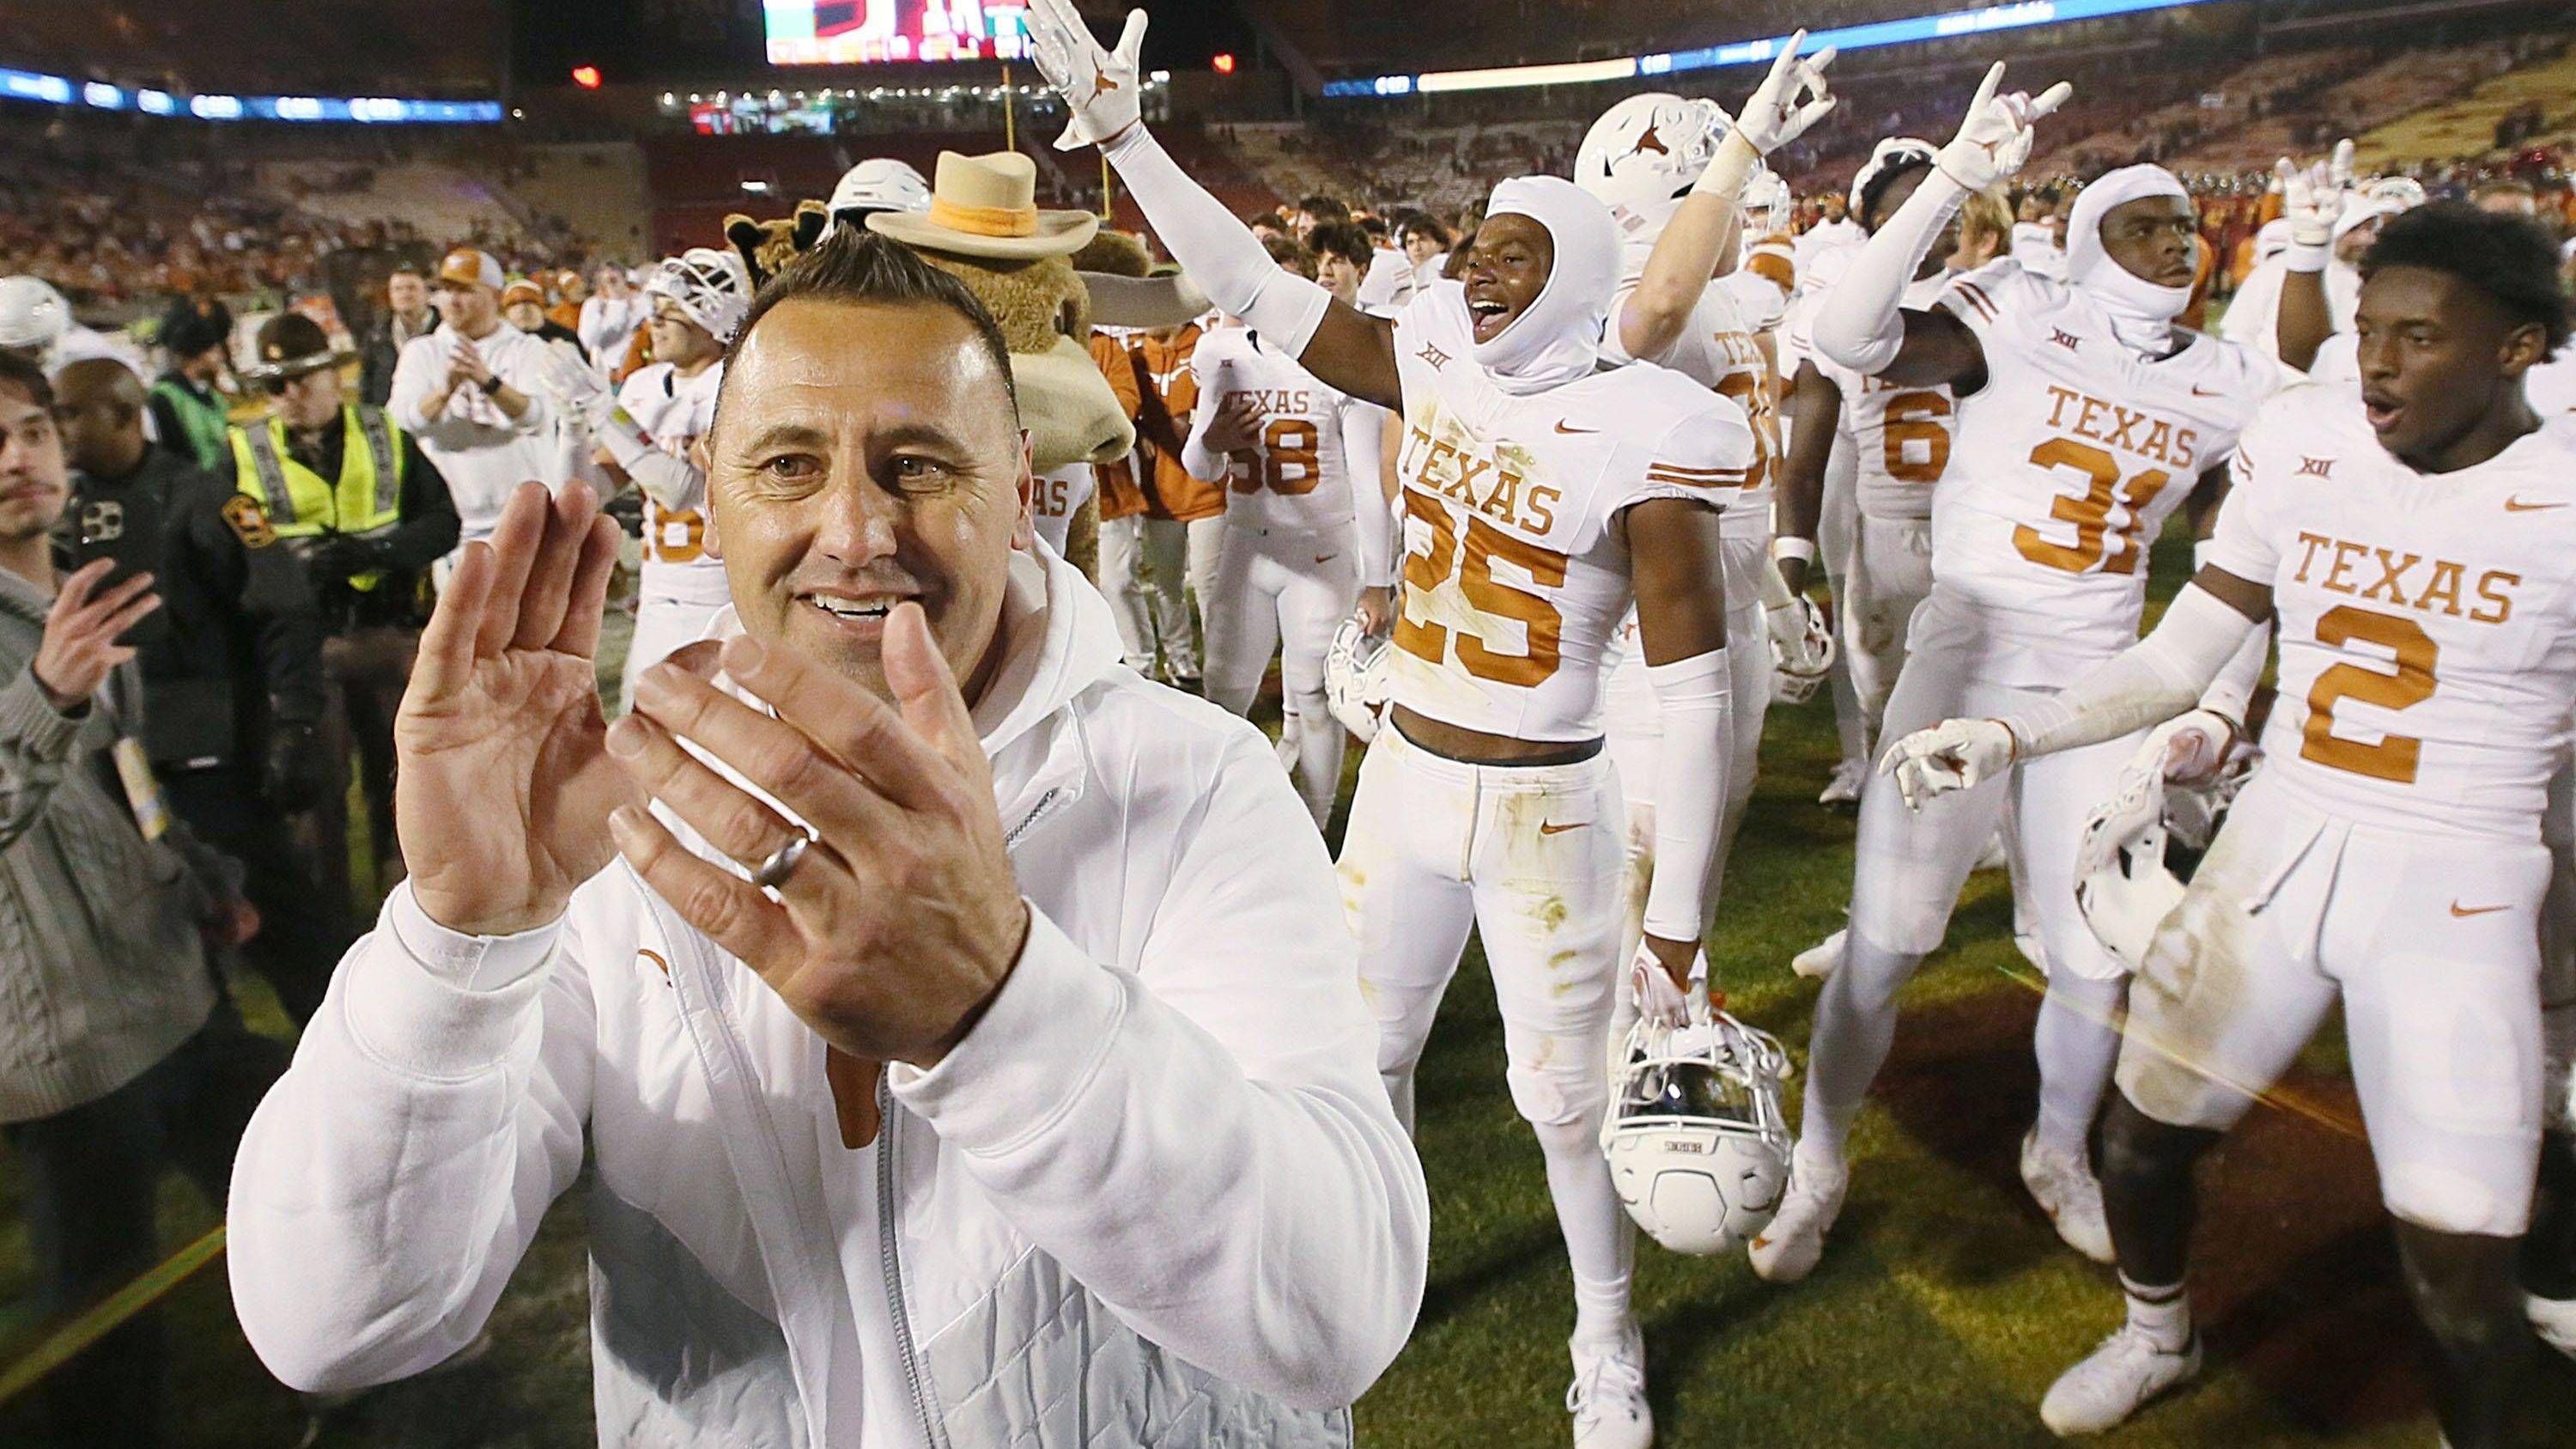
x,y
1943,1308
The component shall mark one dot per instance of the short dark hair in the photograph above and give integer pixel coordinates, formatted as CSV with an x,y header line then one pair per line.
x,y
1344,240
1423,223
2508,258
1372,225
19,371
1291,253
1325,208
1270,219
1897,170
860,268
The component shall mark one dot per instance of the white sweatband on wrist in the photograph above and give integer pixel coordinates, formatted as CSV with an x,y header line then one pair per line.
x,y
2304,257
2145,684
1861,324
2233,689
1788,546
1695,705
1220,254
1372,522
1725,174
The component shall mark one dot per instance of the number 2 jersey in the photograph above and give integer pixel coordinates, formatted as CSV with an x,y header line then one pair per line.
x,y
1319,448
1516,573
2065,466
2427,621
675,411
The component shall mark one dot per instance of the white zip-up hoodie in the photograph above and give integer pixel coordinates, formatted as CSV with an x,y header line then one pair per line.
x,y
1156,1196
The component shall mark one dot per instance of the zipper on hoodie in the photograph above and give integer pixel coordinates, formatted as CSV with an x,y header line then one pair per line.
x,y
1041,810
891,1263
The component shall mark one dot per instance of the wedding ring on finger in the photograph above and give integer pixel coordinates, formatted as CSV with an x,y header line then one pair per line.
x,y
782,863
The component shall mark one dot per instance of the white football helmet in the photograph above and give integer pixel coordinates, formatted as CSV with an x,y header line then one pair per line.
x,y
1697,1143
1889,152
33,316
1767,204
881,184
2134,859
1641,157
1355,683
713,287
2405,193
1802,651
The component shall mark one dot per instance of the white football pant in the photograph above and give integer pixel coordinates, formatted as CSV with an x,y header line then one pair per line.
x,y
661,627
1143,566
2431,943
1891,573
1272,589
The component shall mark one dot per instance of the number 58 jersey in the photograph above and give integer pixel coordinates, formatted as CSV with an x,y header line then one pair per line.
x,y
1516,571
2065,466
2427,621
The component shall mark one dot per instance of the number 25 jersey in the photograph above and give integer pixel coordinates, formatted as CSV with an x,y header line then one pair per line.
x,y
2065,466
1516,572
2427,620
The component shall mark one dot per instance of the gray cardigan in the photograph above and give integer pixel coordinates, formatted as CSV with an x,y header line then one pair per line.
x,y
102,972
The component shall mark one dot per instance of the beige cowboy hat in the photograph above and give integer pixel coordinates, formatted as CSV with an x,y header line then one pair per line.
x,y
986,206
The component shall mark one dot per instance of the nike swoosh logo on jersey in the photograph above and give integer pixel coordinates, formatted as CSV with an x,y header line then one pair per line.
x,y
1325,558
2464,912
655,957
1562,428
1550,829
2198,391
2516,505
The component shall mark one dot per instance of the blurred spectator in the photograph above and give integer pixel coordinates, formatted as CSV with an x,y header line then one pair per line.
x,y
570,291
232,664
612,318
407,315
118,1056
523,305
473,392
189,416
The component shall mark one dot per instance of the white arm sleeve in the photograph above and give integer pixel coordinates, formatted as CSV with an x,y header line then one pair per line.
x,y
1199,460
1372,523
1220,254
2148,683
1695,705
1861,325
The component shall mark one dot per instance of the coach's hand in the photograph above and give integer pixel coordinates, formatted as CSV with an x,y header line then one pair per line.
x,y
1952,755
503,788
1104,89
902,918
1994,142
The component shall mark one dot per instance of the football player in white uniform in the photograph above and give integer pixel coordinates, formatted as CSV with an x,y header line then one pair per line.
x,y
648,431
2417,546
1543,495
1670,170
1299,461
2085,419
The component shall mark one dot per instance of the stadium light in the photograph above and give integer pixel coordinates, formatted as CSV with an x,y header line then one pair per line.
x,y
586,77
1224,62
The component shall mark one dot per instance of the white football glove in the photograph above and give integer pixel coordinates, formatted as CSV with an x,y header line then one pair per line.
x,y
2313,198
1658,999
1955,754
1104,89
1994,142
580,392
1775,116
2189,749
1802,648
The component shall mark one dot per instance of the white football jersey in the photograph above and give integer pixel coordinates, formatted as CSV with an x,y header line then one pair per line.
x,y
1718,350
1515,576
1901,437
2427,622
1054,498
675,411
1301,483
2064,467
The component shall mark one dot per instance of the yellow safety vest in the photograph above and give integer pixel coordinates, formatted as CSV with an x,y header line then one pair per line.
x,y
367,499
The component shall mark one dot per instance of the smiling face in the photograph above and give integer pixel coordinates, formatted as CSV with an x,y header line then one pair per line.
x,y
2154,238
1506,271
34,480
470,309
678,341
864,455
2437,358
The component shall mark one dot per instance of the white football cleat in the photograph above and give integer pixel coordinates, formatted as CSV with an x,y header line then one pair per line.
x,y
1844,788
1820,960
2066,1190
1787,1250
2121,1376
2554,1319
1608,1396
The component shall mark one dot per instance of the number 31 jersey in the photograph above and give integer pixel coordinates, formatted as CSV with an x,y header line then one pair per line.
x,y
2065,466
1516,573
2427,620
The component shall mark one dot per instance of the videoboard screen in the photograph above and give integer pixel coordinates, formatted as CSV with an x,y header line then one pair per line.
x,y
870,32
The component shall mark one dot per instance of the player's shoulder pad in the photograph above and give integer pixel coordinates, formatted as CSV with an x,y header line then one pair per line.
x,y
1996,290
1690,436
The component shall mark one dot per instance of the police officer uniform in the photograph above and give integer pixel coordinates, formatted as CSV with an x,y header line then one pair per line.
x,y
355,501
189,418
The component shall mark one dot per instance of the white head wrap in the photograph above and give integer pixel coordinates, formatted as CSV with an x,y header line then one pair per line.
x,y
2142,312
1559,338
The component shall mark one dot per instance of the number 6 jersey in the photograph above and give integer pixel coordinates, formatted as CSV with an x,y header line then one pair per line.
x,y
1514,575
2065,466
2427,620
